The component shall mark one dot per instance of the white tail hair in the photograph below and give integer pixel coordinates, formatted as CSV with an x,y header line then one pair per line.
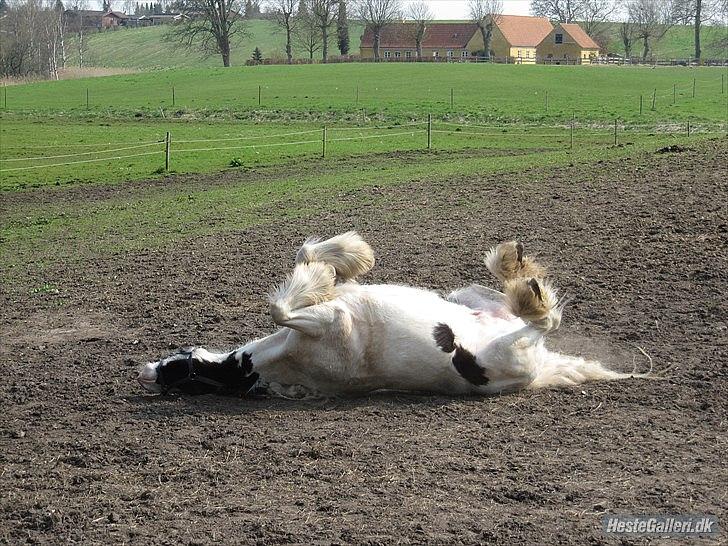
x,y
558,370
308,284
348,253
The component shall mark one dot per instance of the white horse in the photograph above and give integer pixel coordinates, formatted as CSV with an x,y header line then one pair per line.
x,y
339,337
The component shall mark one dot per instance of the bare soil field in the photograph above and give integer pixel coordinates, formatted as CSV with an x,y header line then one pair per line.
x,y
639,243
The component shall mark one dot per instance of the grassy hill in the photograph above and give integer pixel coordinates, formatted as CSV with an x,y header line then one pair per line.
x,y
146,48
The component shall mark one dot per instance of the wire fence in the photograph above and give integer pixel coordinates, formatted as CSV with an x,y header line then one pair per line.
x,y
486,135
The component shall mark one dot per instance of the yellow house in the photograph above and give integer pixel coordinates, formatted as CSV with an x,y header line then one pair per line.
x,y
567,42
516,39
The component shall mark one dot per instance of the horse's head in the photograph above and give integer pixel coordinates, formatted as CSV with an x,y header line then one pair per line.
x,y
192,371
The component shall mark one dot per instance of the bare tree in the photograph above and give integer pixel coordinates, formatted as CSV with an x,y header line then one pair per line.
x,y
485,14
564,11
696,13
212,27
595,14
306,32
651,19
421,17
323,13
376,16
284,12
627,37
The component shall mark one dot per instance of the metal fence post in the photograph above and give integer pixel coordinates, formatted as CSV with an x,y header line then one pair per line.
x,y
429,131
167,150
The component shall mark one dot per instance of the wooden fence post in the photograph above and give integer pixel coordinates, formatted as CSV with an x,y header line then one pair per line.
x,y
571,143
167,150
615,131
323,143
173,95
260,91
688,127
87,98
452,98
674,93
429,131
693,87
357,96
547,101
654,96
640,105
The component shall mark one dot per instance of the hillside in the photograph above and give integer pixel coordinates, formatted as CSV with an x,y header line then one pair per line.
x,y
146,48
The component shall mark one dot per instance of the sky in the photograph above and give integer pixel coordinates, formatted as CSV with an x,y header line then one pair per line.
x,y
441,9
457,9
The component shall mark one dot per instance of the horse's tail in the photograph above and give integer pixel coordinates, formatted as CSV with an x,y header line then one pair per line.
x,y
558,370
348,253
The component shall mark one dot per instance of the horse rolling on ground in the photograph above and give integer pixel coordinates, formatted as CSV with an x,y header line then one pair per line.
x,y
338,337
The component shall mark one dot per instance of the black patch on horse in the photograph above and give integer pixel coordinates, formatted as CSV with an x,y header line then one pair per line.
x,y
463,360
444,337
191,375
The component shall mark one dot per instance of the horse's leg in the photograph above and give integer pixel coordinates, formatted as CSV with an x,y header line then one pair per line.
x,y
300,302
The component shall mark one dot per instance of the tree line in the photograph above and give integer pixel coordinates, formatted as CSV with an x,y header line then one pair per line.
x,y
33,33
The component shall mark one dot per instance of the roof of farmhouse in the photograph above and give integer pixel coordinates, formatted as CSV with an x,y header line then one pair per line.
x,y
518,30
580,37
437,35
522,30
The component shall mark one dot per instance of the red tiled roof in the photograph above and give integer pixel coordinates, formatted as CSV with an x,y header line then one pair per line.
x,y
579,35
521,30
455,35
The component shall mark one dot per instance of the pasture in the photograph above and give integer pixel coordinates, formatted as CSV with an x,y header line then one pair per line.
x,y
107,265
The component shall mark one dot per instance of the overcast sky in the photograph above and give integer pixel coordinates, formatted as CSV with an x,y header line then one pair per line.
x,y
457,9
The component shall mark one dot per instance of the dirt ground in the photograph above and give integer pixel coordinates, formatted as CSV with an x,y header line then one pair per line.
x,y
639,243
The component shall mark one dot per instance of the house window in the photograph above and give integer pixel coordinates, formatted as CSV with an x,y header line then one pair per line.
x,y
559,38
397,54
463,54
407,54
528,54
450,53
519,54
435,53
387,54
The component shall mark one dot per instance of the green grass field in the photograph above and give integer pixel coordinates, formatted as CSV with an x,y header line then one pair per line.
x,y
387,92
146,48
49,137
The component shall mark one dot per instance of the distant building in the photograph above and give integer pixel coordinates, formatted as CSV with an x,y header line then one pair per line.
x,y
113,19
83,18
161,19
566,42
515,39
